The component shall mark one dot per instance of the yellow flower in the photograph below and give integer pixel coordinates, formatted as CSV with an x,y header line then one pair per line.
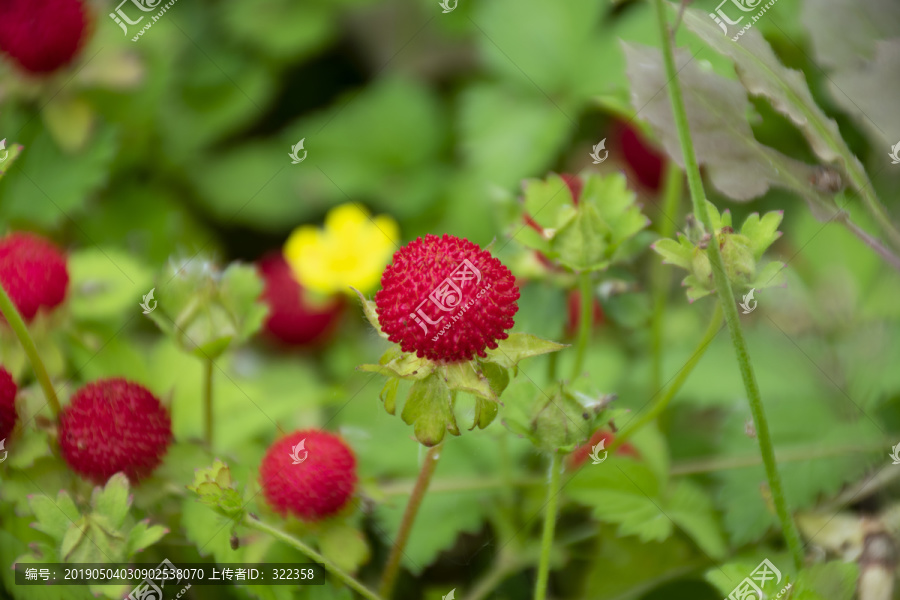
x,y
352,249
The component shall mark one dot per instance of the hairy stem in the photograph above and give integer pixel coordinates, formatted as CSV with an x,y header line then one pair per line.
x,y
586,293
726,296
715,322
870,241
348,579
392,569
540,590
672,197
208,401
12,316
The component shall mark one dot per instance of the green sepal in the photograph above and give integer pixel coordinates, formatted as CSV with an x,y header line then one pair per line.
x,y
559,422
466,377
389,395
370,310
518,346
405,365
429,409
216,489
206,310
740,251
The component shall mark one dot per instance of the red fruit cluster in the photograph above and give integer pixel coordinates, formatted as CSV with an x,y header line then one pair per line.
x,y
114,425
436,304
292,320
581,453
8,413
33,272
318,486
42,36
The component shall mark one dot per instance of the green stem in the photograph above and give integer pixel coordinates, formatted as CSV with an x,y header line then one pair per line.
x,y
208,401
392,569
12,316
726,296
586,321
671,199
540,590
715,322
348,579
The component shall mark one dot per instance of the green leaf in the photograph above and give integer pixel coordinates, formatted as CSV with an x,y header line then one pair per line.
x,y
692,511
625,493
50,517
429,408
345,545
144,535
763,75
717,113
69,119
112,500
549,202
519,346
26,195
762,233
680,253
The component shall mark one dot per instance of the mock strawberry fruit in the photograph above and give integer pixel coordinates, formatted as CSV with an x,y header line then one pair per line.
x,y
446,299
645,161
581,453
33,273
114,425
42,36
292,318
310,474
8,413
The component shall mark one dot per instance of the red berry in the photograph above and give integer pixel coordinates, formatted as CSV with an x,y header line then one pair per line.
x,y
42,36
292,319
33,273
581,453
645,161
114,425
446,299
8,413
318,486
